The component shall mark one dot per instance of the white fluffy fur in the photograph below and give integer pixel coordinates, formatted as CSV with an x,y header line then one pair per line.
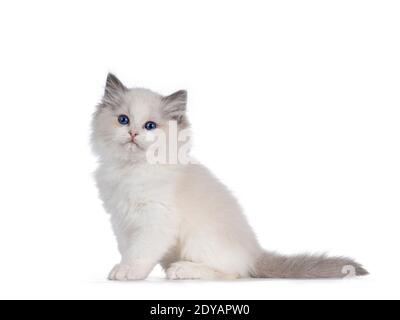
x,y
178,215
174,213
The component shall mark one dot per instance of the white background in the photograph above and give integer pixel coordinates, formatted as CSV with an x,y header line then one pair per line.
x,y
295,105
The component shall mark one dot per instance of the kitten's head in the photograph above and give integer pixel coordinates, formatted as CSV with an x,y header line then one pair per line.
x,y
125,116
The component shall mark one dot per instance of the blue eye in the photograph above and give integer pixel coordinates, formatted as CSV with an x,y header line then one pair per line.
x,y
123,119
150,125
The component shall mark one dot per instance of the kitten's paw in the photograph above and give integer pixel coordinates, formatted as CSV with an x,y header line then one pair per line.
x,y
189,270
179,271
124,272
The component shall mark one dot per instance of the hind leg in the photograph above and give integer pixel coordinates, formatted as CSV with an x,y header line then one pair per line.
x,y
191,270
169,258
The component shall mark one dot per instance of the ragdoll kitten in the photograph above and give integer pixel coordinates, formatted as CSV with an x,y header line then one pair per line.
x,y
178,215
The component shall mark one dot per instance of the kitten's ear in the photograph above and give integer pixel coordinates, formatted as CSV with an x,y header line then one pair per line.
x,y
175,105
113,90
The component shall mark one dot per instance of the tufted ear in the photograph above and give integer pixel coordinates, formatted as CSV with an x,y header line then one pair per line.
x,y
113,90
175,105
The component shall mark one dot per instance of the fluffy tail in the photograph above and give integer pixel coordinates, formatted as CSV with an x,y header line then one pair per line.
x,y
303,266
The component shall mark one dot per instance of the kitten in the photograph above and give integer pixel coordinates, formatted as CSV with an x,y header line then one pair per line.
x,y
178,215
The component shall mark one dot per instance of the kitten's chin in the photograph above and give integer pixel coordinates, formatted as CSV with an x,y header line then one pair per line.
x,y
120,152
132,147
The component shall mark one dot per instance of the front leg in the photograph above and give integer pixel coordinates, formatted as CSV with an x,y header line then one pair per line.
x,y
144,236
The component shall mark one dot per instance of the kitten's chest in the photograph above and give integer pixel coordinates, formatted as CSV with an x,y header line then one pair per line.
x,y
124,188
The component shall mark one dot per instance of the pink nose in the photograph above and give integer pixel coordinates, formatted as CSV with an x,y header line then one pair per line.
x,y
133,134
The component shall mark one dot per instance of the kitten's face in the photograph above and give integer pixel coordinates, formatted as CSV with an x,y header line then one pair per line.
x,y
126,116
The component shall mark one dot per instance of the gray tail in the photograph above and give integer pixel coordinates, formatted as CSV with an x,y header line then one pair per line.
x,y
305,266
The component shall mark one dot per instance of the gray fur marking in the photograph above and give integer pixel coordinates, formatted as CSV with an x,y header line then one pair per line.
x,y
113,92
304,266
175,105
